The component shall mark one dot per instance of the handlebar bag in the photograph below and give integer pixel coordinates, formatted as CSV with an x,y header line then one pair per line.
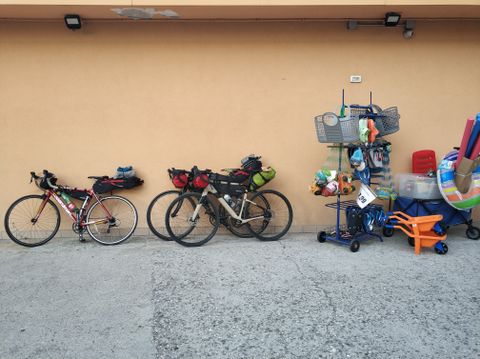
x,y
179,178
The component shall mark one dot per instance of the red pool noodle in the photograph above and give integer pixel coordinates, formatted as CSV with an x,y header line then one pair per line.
x,y
465,138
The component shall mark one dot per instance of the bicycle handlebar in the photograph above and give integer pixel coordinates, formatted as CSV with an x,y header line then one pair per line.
x,y
50,183
47,176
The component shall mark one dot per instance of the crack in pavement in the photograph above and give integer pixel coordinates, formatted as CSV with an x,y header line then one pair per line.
x,y
325,293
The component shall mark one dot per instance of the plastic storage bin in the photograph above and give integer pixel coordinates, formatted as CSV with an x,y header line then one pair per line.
x,y
416,186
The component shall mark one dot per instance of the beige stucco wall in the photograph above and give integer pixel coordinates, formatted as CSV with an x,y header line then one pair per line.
x,y
161,95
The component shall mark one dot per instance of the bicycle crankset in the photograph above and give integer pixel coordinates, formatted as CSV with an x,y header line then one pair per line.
x,y
77,228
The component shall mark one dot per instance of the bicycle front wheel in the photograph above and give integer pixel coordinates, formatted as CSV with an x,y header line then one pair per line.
x,y
192,219
156,213
112,220
21,225
272,215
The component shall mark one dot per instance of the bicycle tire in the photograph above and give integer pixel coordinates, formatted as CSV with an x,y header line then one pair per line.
x,y
160,232
237,229
109,226
269,231
185,205
15,204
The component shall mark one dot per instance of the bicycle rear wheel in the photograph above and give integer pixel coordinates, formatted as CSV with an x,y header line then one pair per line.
x,y
273,213
156,213
187,229
115,229
236,227
21,226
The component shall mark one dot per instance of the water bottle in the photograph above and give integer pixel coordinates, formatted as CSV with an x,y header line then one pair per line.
x,y
228,199
68,201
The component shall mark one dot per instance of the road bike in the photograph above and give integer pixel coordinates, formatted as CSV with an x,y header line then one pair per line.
x,y
33,220
192,219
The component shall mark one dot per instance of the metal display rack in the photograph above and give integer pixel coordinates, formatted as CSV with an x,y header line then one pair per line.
x,y
339,235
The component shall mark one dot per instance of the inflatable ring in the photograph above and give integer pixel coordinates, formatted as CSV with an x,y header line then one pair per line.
x,y
450,192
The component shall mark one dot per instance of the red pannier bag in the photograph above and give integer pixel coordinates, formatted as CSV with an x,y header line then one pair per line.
x,y
179,177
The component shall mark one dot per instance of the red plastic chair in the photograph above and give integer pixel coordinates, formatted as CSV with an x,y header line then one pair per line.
x,y
424,161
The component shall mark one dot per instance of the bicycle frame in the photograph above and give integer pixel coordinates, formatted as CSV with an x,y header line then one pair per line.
x,y
77,217
230,211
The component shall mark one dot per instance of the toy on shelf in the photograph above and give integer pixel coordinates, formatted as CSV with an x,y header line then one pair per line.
x,y
423,231
362,171
331,183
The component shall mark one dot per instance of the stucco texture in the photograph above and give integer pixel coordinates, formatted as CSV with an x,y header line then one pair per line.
x,y
157,95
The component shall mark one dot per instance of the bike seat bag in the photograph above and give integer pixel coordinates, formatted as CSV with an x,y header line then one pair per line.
x,y
179,177
252,163
239,176
261,178
106,184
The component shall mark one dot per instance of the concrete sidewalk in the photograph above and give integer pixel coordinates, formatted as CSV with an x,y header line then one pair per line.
x,y
239,298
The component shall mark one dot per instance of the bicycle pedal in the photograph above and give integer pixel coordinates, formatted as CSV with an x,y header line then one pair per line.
x,y
81,239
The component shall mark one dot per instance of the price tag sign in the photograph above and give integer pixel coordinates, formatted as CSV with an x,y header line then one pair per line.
x,y
365,196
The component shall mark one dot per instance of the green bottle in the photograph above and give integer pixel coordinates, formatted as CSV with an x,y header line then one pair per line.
x,y
68,201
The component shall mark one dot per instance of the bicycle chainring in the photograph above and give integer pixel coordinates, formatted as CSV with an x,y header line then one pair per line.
x,y
77,228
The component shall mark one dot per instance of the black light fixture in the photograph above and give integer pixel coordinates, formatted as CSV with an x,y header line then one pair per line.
x,y
73,22
392,19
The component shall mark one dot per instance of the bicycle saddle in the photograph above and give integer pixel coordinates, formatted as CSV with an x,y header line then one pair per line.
x,y
97,177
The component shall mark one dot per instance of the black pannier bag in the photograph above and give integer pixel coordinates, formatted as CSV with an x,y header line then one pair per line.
x,y
228,184
106,184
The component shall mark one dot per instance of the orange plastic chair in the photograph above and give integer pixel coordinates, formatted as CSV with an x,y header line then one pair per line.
x,y
424,161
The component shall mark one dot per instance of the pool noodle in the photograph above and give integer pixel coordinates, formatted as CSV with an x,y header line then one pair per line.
x,y
473,138
466,136
476,150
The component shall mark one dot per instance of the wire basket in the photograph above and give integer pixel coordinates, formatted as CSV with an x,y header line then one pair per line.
x,y
387,121
364,111
334,129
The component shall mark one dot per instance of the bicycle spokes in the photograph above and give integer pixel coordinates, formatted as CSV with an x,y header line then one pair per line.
x,y
271,215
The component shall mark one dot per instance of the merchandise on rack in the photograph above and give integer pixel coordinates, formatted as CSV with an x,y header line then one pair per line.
x,y
361,129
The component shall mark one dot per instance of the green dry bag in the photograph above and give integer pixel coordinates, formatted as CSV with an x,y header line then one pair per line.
x,y
261,178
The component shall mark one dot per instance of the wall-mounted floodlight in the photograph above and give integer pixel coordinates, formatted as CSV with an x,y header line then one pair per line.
x,y
392,19
73,22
